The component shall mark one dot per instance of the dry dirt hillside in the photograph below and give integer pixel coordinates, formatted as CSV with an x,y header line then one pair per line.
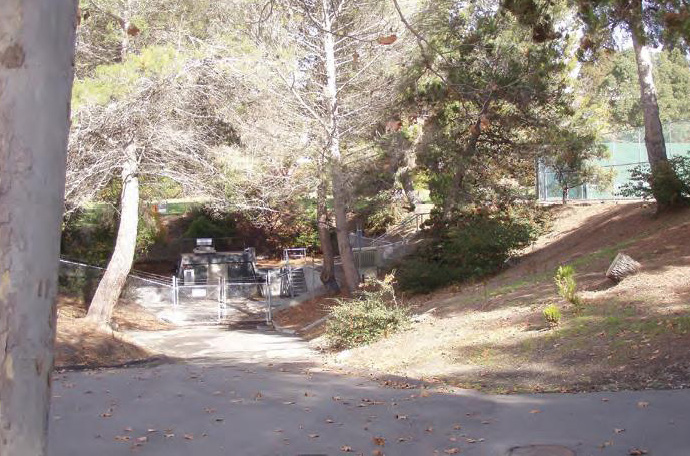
x,y
492,335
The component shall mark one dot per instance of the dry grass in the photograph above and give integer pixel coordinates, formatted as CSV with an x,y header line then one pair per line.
x,y
493,336
298,317
80,344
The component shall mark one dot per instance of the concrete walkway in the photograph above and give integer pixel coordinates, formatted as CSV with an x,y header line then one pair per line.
x,y
259,393
229,346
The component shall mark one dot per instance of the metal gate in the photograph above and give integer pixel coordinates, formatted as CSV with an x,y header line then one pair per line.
x,y
223,302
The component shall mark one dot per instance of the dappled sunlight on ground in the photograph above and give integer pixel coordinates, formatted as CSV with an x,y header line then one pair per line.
x,y
492,334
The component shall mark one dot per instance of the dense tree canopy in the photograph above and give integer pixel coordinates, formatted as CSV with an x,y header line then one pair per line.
x,y
341,110
610,89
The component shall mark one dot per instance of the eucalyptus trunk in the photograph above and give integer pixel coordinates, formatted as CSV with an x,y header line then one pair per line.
x,y
666,185
351,274
36,72
113,281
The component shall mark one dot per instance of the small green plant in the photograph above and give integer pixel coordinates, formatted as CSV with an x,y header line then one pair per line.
x,y
552,315
565,281
567,286
373,314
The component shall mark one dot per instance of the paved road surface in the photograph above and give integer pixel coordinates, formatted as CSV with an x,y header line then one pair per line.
x,y
227,398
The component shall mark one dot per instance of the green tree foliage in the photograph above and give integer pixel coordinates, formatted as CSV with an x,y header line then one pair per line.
x,y
572,158
648,24
610,90
471,245
483,95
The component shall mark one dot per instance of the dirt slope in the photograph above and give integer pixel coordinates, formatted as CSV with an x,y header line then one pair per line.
x,y
79,344
492,335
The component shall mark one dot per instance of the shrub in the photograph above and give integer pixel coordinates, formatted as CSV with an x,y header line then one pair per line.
x,y
675,180
472,244
209,223
371,315
552,315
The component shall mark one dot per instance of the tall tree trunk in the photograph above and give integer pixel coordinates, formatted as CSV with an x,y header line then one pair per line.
x,y
337,178
666,186
113,281
126,24
36,71
328,272
404,151
405,178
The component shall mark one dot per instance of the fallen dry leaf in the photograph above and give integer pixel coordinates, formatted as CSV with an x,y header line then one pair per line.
x,y
637,452
313,436
377,453
380,441
618,431
452,450
189,436
643,404
535,411
142,439
386,40
346,449
474,440
122,438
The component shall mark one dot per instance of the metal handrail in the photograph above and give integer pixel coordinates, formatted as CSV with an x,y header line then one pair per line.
x,y
417,219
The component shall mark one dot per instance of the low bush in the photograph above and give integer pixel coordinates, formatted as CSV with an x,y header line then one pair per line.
x,y
671,180
370,316
552,315
471,245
